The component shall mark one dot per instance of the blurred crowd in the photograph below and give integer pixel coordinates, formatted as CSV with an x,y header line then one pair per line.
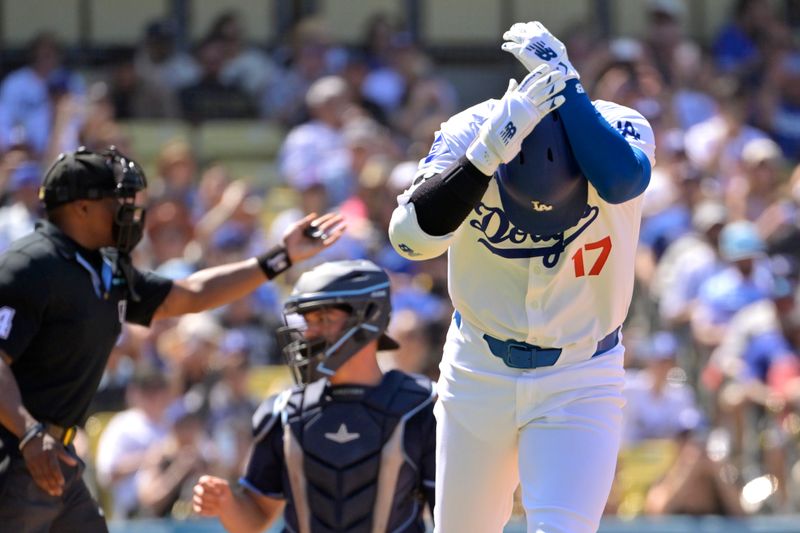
x,y
713,338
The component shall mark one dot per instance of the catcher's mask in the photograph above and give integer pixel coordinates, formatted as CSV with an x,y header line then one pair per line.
x,y
334,311
542,190
88,175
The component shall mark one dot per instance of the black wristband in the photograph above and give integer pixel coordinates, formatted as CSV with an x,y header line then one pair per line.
x,y
36,430
274,261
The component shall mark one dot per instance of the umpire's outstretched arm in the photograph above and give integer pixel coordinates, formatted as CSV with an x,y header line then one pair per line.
x,y
222,284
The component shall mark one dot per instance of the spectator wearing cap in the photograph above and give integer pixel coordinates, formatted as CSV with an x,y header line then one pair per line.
x,y
659,403
18,217
682,269
28,98
315,151
245,67
127,437
687,262
756,187
158,62
745,279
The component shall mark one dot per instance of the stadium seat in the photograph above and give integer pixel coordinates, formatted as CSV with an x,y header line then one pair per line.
x,y
266,380
239,139
149,136
258,172
280,197
638,469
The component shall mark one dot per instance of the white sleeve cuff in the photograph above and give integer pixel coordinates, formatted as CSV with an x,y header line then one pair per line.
x,y
410,241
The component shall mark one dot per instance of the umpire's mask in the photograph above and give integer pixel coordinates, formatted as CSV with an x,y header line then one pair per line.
x,y
84,174
542,190
359,291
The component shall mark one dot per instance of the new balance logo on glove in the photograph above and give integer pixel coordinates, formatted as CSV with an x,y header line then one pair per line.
x,y
509,130
542,51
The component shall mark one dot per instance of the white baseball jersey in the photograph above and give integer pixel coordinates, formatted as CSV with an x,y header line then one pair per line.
x,y
566,292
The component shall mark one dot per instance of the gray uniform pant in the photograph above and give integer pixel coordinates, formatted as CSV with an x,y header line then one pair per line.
x,y
25,508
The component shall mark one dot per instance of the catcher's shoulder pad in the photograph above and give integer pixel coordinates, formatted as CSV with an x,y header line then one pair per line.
x,y
403,394
270,412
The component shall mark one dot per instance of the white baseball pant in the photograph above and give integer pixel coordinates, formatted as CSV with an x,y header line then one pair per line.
x,y
554,429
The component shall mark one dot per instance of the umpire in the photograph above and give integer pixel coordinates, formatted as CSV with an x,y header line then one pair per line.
x,y
65,291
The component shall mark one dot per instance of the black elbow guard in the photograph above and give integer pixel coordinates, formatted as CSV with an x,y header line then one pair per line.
x,y
444,201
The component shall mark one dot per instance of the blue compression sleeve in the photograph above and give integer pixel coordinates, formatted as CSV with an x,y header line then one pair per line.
x,y
616,169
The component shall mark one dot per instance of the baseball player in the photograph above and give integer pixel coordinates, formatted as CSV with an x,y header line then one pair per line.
x,y
537,199
353,449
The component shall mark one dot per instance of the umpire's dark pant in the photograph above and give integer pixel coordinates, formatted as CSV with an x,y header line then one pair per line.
x,y
24,507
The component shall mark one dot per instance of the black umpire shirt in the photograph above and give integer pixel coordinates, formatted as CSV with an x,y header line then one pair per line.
x,y
61,311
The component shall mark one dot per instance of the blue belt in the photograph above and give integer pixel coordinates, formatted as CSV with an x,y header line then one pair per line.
x,y
517,354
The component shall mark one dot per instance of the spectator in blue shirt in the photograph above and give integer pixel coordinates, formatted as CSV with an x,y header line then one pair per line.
x,y
744,281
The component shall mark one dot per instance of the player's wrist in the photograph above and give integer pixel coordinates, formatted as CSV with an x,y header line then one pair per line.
x,y
564,65
576,99
482,157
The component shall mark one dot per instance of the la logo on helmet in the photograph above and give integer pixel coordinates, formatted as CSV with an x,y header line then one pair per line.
x,y
539,206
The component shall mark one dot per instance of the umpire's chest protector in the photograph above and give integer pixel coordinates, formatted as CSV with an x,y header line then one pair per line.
x,y
345,454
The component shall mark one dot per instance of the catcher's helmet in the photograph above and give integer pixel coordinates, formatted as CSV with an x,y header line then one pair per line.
x,y
543,190
359,287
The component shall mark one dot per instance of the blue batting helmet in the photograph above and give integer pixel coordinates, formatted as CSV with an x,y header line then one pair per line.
x,y
543,190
